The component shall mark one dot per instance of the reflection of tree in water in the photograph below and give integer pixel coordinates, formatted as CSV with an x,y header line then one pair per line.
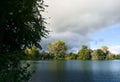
x,y
57,70
31,64
85,73
76,71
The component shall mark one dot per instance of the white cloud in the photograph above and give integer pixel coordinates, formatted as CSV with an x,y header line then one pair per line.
x,y
115,49
74,20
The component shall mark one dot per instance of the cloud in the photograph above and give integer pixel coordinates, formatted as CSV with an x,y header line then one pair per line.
x,y
115,49
74,20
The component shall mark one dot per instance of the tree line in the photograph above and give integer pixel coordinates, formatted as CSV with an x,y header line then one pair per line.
x,y
57,50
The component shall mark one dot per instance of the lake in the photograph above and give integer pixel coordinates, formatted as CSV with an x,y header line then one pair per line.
x,y
76,71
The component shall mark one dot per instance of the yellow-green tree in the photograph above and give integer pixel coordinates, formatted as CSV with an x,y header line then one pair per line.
x,y
84,53
57,48
105,49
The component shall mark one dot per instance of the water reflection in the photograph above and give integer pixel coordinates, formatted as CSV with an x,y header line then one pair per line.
x,y
76,71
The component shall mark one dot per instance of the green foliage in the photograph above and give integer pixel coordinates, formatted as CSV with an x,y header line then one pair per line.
x,y
43,55
84,47
15,74
21,24
117,56
84,53
101,55
73,56
11,69
57,48
21,27
104,48
110,56
32,53
36,55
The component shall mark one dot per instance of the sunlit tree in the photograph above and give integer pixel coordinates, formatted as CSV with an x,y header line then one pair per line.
x,y
105,49
84,53
57,48
98,54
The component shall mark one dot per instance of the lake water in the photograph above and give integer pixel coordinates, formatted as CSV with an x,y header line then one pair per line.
x,y
76,71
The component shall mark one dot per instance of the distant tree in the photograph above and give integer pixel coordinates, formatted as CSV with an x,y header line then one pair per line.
x,y
105,49
67,57
73,56
31,51
84,47
101,55
94,55
45,55
57,48
117,56
84,53
110,56
36,55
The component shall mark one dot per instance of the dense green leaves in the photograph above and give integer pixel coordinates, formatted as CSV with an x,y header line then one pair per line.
x,y
12,70
101,55
21,24
84,53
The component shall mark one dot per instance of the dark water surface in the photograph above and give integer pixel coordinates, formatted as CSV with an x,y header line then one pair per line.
x,y
76,71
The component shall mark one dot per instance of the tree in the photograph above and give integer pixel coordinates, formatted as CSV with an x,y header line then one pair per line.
x,y
32,53
73,55
84,53
110,56
21,26
117,56
94,55
101,55
57,48
105,49
45,55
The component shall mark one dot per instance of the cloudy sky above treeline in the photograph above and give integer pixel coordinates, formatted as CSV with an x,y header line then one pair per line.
x,y
91,22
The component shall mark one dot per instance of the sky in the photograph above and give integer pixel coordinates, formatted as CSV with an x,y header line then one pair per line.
x,y
76,22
